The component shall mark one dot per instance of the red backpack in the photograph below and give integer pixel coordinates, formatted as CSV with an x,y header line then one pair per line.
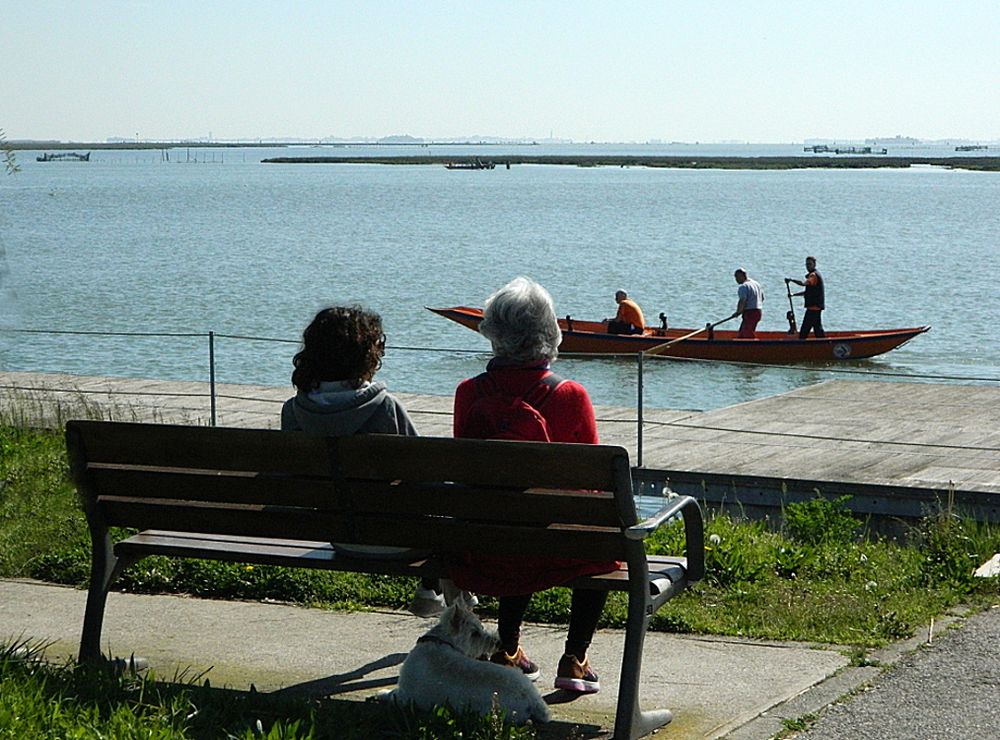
x,y
497,415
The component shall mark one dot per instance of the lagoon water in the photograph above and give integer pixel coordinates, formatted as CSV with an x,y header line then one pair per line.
x,y
131,243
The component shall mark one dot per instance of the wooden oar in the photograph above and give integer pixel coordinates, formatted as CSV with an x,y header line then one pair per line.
x,y
791,309
658,349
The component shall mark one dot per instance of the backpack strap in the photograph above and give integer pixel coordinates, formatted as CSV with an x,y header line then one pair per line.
x,y
539,393
486,385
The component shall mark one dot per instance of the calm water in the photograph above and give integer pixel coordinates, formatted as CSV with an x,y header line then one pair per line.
x,y
128,243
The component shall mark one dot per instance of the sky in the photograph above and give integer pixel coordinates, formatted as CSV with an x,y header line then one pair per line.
x,y
674,70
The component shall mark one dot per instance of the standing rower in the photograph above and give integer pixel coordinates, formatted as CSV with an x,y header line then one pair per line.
x,y
751,298
814,301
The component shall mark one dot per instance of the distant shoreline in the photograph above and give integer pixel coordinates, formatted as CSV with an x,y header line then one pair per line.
x,y
37,144
678,161
985,164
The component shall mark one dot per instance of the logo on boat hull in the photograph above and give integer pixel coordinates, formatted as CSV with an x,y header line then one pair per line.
x,y
840,351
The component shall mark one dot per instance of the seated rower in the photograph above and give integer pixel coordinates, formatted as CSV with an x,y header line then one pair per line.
x,y
629,319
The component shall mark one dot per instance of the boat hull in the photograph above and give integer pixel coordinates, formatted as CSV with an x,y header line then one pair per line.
x,y
770,348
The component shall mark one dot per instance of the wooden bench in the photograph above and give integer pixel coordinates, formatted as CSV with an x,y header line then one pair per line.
x,y
280,498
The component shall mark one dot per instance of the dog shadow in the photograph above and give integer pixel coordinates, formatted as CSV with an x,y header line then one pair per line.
x,y
343,683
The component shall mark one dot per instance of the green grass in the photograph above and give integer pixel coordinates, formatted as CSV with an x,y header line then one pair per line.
x,y
39,700
38,504
851,591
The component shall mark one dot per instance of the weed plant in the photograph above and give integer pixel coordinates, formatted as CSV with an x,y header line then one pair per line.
x,y
34,408
10,164
818,577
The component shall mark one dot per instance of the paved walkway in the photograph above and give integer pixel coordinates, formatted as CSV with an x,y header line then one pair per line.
x,y
949,690
716,687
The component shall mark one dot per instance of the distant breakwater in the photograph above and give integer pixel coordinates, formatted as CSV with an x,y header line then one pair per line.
x,y
989,164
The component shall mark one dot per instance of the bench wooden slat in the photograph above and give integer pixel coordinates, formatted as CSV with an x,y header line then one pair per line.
x,y
265,551
538,464
388,497
665,574
292,554
168,445
218,486
442,534
222,540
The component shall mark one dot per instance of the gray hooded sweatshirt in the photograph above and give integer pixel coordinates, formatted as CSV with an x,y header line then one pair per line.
x,y
337,409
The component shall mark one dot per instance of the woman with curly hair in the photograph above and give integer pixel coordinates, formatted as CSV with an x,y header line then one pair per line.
x,y
342,350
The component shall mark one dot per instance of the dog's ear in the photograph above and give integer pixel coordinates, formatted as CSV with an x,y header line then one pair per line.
x,y
456,617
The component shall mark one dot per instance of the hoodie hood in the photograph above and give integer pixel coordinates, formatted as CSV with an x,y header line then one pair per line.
x,y
336,408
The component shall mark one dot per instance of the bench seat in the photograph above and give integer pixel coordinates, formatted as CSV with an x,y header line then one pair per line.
x,y
665,572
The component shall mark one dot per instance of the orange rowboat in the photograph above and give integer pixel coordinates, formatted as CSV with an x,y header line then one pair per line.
x,y
770,347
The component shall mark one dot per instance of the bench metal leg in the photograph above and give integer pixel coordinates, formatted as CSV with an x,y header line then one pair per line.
x,y
102,568
105,568
630,721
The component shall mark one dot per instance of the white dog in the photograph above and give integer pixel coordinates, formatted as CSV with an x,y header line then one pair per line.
x,y
444,667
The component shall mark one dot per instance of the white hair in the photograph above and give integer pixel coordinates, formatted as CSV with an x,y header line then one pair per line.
x,y
520,322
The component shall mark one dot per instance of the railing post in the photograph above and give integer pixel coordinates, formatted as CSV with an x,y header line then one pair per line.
x,y
638,404
211,371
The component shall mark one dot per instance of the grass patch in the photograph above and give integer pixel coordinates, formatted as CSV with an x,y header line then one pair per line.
x,y
62,701
38,504
42,408
819,579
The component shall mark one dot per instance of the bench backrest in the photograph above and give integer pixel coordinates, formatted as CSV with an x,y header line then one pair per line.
x,y
449,495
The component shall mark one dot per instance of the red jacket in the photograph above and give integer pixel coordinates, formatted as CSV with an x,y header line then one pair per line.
x,y
569,416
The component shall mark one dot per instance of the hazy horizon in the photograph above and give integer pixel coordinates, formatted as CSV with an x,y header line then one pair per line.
x,y
634,72
404,139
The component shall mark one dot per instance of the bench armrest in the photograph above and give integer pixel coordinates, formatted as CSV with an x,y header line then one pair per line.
x,y
643,529
694,532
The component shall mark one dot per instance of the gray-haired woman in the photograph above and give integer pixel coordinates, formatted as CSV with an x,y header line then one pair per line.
x,y
520,322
